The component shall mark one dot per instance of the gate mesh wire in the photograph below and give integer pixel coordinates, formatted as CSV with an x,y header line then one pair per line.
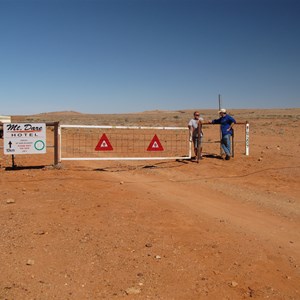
x,y
124,143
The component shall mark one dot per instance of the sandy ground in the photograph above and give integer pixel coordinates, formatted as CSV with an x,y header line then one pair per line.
x,y
156,230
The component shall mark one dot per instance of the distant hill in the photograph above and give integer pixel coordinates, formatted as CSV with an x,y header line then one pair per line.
x,y
59,113
157,117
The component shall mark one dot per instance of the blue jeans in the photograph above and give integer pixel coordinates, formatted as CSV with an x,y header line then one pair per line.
x,y
225,143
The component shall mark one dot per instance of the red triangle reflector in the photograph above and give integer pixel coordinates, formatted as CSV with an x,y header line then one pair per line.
x,y
155,145
104,144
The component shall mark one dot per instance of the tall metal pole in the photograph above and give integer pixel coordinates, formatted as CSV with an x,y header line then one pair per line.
x,y
220,105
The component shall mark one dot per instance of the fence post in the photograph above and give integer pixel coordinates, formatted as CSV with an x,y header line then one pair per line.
x,y
56,143
199,146
247,138
232,143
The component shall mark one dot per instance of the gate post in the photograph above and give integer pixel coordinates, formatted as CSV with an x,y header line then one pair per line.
x,y
56,143
247,138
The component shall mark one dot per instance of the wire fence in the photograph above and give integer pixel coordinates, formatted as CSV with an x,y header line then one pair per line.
x,y
123,142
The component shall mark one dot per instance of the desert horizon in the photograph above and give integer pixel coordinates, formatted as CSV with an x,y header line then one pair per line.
x,y
177,117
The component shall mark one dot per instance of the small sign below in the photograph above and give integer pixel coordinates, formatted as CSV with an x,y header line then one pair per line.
x,y
104,144
155,145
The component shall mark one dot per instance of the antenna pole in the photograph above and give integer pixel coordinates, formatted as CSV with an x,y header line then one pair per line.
x,y
220,105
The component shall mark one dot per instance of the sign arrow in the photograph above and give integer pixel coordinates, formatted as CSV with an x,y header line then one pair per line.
x,y
10,143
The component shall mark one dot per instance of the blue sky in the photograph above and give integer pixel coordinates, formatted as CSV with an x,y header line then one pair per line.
x,y
120,56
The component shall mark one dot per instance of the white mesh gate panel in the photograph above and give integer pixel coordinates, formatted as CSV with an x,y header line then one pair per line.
x,y
84,142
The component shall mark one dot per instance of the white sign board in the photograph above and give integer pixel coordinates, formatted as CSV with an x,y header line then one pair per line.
x,y
24,138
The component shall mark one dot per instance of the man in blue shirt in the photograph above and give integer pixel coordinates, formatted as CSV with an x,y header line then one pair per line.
x,y
227,123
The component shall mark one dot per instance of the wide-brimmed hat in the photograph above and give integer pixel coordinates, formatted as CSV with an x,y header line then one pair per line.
x,y
222,110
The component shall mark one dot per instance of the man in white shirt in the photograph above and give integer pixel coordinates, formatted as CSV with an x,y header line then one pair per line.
x,y
193,127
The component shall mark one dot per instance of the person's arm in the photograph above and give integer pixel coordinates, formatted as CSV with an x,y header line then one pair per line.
x,y
216,121
232,120
191,132
230,127
200,124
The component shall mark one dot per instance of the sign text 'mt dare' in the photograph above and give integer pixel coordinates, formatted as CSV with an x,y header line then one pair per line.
x,y
24,138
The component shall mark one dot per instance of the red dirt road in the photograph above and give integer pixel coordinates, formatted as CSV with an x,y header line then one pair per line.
x,y
161,230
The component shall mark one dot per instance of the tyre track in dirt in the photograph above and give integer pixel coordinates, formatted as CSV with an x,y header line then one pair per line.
x,y
199,245
274,235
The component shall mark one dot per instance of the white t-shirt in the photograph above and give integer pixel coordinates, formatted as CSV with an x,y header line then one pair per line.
x,y
194,123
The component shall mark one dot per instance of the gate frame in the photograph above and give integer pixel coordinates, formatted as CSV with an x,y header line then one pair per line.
x,y
57,141
124,158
